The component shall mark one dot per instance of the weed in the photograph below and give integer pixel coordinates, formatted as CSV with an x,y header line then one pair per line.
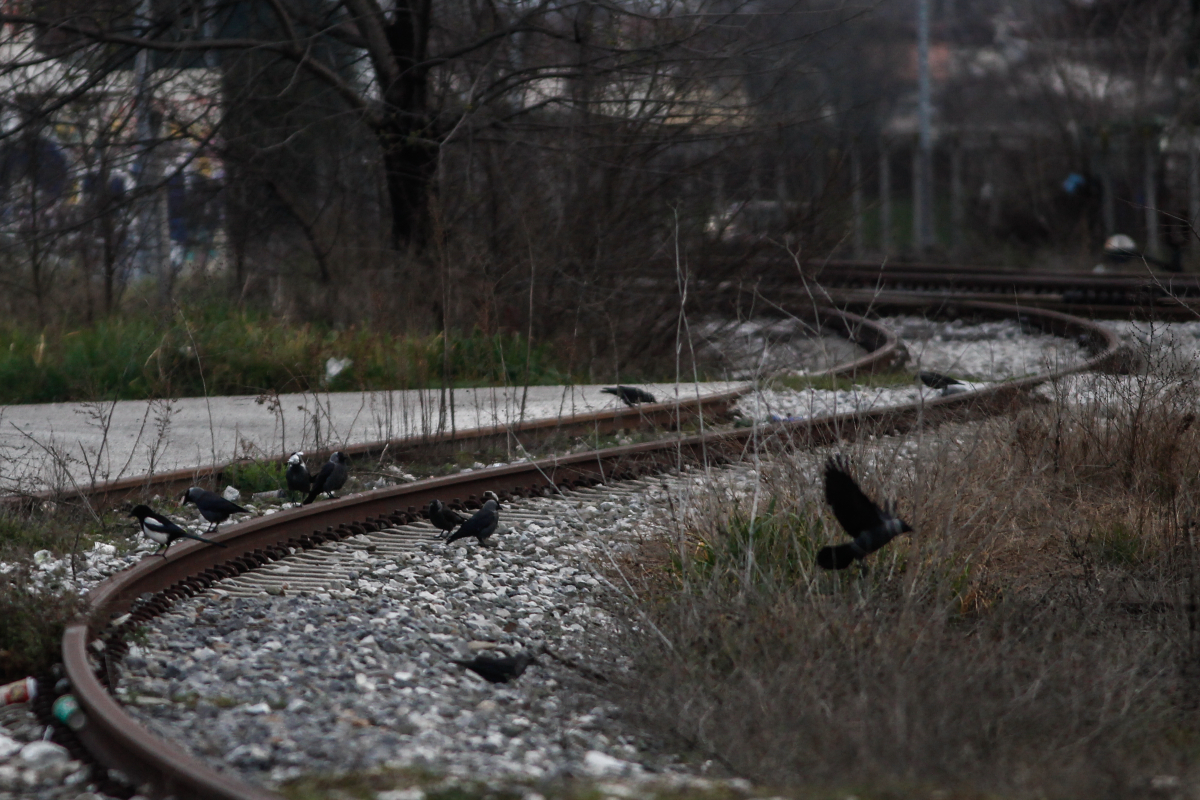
x,y
251,477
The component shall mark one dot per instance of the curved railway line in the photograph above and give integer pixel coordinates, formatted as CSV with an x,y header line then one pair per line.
x,y
1144,295
389,518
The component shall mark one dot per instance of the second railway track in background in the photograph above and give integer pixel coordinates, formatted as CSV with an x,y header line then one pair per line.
x,y
93,647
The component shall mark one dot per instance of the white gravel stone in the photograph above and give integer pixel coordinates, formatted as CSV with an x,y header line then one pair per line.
x,y
41,754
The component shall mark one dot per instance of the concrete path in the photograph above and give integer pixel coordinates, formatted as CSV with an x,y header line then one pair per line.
x,y
57,444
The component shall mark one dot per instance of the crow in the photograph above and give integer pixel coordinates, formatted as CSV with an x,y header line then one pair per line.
x,y
213,507
297,477
869,526
630,395
936,380
498,670
331,477
158,528
443,518
483,524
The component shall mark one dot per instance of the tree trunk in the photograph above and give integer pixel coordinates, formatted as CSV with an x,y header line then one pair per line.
x,y
410,157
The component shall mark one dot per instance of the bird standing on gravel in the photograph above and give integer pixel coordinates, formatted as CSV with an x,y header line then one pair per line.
x,y
158,528
332,476
869,526
297,477
630,395
947,385
484,522
443,518
498,670
213,507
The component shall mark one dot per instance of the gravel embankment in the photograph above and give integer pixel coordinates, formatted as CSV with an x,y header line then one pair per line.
x,y
338,658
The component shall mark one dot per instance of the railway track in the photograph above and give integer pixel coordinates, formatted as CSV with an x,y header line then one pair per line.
x,y
1115,296
883,351
93,647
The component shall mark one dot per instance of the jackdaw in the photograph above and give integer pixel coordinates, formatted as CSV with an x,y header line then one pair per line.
x,y
498,670
869,526
444,518
332,476
484,522
213,507
630,395
298,479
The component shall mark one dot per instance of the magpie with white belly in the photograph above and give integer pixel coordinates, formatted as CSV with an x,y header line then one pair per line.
x,y
869,526
213,507
158,528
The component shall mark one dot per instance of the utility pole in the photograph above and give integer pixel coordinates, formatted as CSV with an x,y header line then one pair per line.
x,y
924,180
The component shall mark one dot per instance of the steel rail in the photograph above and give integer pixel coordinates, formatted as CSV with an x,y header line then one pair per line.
x,y
883,351
93,646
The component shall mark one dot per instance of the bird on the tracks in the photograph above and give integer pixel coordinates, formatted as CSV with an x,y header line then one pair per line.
x,y
483,523
498,670
629,395
944,383
213,507
297,477
158,528
869,526
332,476
444,518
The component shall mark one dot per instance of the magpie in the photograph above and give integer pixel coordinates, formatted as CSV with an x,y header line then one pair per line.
x,y
443,518
297,477
630,395
213,507
936,380
158,528
498,670
869,526
332,476
484,522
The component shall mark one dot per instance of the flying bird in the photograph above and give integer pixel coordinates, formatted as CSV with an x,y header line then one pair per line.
x,y
444,518
297,477
869,526
158,528
332,476
498,670
630,395
484,522
213,507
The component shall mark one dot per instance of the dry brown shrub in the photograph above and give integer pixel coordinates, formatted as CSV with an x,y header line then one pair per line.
x,y
1037,636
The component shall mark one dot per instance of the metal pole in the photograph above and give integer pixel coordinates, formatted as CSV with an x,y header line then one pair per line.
x,y
923,224
918,202
856,197
1150,189
885,199
956,197
1193,233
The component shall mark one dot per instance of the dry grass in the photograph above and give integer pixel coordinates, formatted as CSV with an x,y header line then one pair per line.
x,y
1037,636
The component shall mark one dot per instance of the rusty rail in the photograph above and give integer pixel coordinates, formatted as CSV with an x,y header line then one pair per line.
x,y
92,646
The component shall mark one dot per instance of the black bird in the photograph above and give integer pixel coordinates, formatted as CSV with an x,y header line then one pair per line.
x,y
297,477
936,380
498,670
869,526
213,507
158,528
484,522
332,476
443,518
630,395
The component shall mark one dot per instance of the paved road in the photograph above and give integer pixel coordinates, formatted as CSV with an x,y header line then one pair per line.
x,y
53,444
